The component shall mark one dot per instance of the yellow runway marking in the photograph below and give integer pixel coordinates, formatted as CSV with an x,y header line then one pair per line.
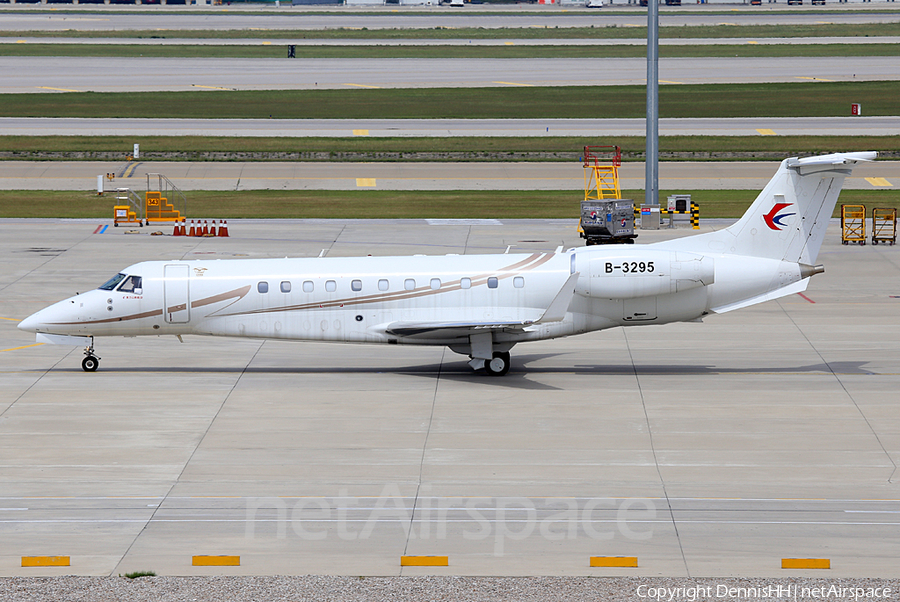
x,y
11,319
878,182
752,42
816,79
665,81
22,347
509,43
360,132
364,86
212,87
57,89
765,132
514,84
365,182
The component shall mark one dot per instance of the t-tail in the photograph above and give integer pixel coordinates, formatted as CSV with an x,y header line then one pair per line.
x,y
771,251
788,219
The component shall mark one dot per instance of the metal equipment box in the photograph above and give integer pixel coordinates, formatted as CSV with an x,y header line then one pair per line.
x,y
607,222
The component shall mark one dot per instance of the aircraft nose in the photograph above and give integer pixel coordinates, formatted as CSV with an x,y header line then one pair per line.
x,y
31,323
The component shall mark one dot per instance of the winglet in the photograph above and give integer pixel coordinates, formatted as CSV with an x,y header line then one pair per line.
x,y
556,311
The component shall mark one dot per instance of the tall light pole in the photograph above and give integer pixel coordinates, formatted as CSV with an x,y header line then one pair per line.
x,y
651,177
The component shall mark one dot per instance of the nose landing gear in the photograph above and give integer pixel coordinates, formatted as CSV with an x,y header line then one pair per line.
x,y
91,362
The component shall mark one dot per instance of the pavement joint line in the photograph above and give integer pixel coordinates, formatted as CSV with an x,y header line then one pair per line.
x,y
662,482
846,391
184,466
412,514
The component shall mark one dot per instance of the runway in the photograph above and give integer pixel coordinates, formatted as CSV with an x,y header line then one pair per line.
x,y
448,42
701,449
276,175
601,128
90,74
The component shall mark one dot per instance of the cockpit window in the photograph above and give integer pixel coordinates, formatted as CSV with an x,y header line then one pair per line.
x,y
131,284
112,282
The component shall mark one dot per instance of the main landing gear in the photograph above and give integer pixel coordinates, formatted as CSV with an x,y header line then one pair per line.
x,y
91,362
481,349
499,365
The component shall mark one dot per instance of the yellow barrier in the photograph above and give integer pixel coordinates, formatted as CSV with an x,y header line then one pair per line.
x,y
805,563
32,561
424,561
614,561
217,561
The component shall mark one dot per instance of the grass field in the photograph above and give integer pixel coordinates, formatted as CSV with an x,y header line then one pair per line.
x,y
525,33
808,99
447,52
311,204
463,148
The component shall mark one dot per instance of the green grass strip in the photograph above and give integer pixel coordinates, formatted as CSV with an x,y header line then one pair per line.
x,y
463,148
480,33
807,99
447,52
388,204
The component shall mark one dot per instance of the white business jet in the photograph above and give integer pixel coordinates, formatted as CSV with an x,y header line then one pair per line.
x,y
477,305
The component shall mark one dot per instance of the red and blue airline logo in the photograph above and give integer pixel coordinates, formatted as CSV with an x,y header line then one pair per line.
x,y
773,218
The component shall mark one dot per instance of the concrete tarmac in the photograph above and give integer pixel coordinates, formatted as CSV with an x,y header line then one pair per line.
x,y
24,74
601,128
702,449
258,175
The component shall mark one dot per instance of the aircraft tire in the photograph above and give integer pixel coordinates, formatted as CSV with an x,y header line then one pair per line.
x,y
499,365
90,364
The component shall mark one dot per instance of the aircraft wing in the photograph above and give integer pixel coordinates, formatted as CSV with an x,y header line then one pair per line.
x,y
555,312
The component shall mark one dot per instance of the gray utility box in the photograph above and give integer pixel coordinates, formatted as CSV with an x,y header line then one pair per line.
x,y
607,222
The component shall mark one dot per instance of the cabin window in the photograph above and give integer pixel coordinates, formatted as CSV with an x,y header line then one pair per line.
x,y
435,284
383,285
409,284
519,282
330,286
285,287
308,286
263,287
112,282
465,283
132,284
493,282
356,285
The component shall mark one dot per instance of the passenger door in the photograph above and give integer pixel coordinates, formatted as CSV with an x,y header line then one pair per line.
x,y
176,294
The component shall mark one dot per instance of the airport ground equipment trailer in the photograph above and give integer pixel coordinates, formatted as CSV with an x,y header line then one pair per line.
x,y
853,224
607,222
884,225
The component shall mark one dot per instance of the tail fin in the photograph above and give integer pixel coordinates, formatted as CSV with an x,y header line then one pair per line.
x,y
787,221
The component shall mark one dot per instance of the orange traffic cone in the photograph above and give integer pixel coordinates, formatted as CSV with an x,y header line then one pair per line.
x,y
192,231
177,230
183,229
205,230
212,229
223,228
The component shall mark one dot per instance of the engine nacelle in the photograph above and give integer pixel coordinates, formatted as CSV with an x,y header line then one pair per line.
x,y
626,274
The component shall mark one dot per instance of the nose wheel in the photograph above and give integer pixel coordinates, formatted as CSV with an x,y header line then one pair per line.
x,y
91,362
